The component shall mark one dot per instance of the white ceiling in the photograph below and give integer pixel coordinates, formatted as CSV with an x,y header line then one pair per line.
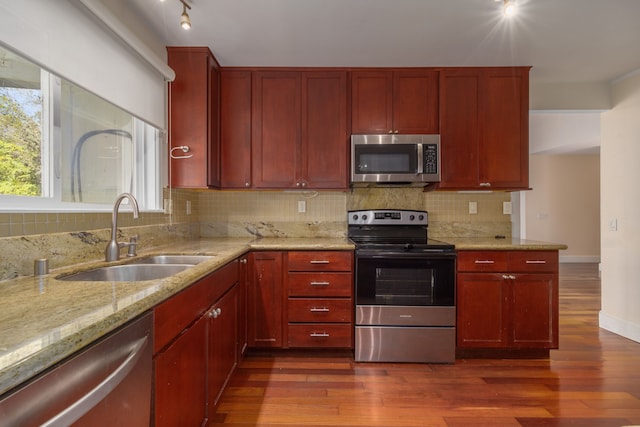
x,y
564,40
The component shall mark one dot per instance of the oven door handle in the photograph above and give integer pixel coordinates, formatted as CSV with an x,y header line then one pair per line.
x,y
369,254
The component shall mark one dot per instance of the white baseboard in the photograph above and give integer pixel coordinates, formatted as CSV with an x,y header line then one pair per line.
x,y
579,258
618,326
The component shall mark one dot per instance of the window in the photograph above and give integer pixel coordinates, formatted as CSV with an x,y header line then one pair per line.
x,y
64,148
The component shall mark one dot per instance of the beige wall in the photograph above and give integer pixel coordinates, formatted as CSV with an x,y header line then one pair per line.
x,y
564,205
620,174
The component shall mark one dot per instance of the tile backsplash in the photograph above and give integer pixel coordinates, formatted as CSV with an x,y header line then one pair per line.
x,y
69,238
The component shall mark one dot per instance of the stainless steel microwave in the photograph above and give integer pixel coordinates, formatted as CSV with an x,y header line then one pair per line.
x,y
402,160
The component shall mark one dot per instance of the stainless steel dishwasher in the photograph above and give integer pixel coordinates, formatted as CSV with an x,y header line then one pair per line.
x,y
106,384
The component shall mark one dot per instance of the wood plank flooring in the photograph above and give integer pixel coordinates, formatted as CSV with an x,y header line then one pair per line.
x,y
592,380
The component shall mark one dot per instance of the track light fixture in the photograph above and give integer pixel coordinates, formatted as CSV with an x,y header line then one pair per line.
x,y
509,9
185,21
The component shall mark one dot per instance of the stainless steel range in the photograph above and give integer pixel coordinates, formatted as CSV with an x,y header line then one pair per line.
x,y
405,289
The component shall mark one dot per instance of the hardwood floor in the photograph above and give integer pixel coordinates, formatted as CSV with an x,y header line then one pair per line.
x,y
592,380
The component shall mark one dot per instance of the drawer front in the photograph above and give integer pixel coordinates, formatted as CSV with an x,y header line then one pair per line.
x,y
534,261
321,335
320,310
320,284
320,261
483,261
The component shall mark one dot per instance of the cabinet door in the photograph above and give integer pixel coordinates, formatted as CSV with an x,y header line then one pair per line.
x,y
505,118
180,381
276,129
223,345
265,317
235,129
325,142
534,311
459,128
481,310
242,306
415,102
190,117
371,102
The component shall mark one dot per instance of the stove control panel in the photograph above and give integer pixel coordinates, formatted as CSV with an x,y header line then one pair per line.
x,y
387,217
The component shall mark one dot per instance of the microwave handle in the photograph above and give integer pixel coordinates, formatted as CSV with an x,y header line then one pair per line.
x,y
420,159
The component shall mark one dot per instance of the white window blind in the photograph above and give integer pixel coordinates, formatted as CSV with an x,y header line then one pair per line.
x,y
65,37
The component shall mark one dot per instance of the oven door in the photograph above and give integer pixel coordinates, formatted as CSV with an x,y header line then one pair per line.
x,y
404,278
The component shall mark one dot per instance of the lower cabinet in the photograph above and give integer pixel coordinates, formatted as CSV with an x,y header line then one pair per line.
x,y
507,300
265,300
195,348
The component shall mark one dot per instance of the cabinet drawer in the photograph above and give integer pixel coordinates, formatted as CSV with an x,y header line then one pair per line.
x,y
320,335
320,310
483,261
320,284
320,261
534,261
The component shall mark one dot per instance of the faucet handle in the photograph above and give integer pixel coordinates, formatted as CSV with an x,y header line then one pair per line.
x,y
133,243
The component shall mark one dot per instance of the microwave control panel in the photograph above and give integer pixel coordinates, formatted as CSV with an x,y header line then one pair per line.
x,y
430,153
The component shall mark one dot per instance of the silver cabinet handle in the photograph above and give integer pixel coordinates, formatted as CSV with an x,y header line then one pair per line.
x,y
484,261
243,261
80,407
318,334
533,261
314,283
485,184
508,276
215,313
319,310
319,261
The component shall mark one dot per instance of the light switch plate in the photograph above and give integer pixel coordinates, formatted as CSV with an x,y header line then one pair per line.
x,y
473,208
302,206
506,208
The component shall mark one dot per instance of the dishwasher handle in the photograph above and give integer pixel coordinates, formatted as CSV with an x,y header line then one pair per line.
x,y
83,405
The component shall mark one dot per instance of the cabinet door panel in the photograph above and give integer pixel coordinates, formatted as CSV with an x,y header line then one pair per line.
x,y
459,128
481,310
276,129
235,129
325,142
223,345
415,102
265,300
533,311
504,142
180,383
371,102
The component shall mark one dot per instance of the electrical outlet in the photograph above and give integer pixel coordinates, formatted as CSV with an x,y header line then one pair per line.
x,y
302,206
188,207
506,208
613,224
168,206
473,208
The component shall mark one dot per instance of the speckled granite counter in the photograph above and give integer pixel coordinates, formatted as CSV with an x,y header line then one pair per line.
x,y
510,243
44,320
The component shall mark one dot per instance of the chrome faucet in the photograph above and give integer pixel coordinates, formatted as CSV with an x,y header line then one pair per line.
x,y
112,252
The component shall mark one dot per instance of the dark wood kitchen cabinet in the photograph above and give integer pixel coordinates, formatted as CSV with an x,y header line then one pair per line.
x,y
195,348
265,317
484,128
194,116
320,299
235,129
394,101
299,129
507,300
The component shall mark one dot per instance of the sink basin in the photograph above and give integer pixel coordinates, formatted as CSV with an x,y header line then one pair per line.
x,y
127,272
173,259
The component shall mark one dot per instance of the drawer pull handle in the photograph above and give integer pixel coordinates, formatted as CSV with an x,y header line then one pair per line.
x,y
318,334
533,261
319,283
319,261
485,261
508,276
319,309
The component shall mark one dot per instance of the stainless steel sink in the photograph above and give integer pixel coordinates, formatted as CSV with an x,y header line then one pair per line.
x,y
173,259
126,273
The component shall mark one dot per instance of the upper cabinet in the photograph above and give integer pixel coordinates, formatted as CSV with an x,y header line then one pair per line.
x,y
299,129
394,101
194,117
484,128
235,129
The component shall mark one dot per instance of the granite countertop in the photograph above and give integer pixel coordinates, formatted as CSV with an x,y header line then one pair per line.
x,y
43,320
509,243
